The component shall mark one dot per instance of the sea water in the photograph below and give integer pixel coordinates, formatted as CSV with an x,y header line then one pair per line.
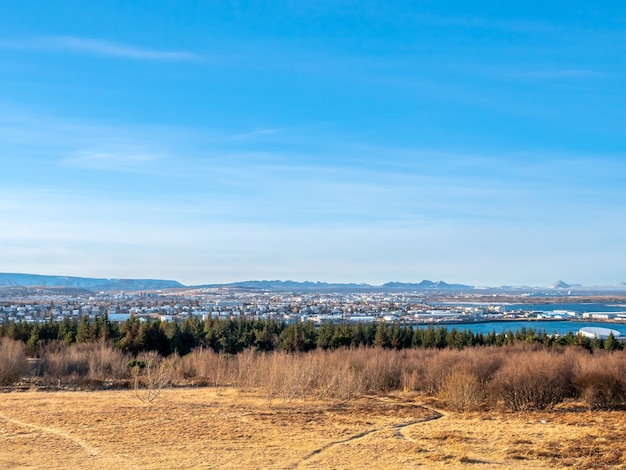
x,y
550,327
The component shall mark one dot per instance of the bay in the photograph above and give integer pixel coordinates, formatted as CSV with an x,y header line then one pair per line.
x,y
559,327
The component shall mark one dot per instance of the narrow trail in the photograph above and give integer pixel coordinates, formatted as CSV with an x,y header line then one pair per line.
x,y
92,451
398,428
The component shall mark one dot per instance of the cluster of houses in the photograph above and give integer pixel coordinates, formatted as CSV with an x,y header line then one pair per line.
x,y
226,303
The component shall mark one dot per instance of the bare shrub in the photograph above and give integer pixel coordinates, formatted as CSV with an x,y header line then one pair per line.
x,y
532,380
318,374
105,362
600,380
66,364
249,370
482,363
410,380
301,374
337,376
84,364
217,368
459,378
274,377
380,369
195,365
204,367
413,369
439,364
462,391
151,373
277,373
13,361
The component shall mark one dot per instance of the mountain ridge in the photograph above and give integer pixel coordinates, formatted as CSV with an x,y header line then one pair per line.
x,y
113,284
88,283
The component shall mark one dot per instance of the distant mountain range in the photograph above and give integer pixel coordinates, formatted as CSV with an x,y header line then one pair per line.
x,y
565,285
428,285
88,283
316,286
12,280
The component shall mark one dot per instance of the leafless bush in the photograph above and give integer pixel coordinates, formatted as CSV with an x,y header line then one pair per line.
x,y
482,363
274,376
151,373
438,366
218,369
343,374
380,369
459,378
462,391
66,364
105,362
532,381
413,368
86,364
301,374
13,361
318,374
192,367
600,380
249,369
204,367
337,376
410,380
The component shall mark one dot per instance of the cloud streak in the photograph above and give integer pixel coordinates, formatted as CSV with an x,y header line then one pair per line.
x,y
112,161
97,47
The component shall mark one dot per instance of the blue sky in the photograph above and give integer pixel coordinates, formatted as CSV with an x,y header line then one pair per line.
x,y
347,141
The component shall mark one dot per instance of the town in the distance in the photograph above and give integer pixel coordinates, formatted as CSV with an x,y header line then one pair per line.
x,y
38,298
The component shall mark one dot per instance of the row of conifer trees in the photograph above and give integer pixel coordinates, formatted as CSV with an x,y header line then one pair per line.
x,y
235,335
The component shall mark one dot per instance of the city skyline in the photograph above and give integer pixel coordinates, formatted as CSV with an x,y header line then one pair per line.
x,y
344,142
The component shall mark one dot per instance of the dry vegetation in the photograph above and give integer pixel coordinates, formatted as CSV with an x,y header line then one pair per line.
x,y
520,406
518,377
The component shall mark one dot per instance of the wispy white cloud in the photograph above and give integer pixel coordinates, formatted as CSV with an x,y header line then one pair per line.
x,y
96,47
218,179
112,161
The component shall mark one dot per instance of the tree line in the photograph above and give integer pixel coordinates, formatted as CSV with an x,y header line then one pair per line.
x,y
232,336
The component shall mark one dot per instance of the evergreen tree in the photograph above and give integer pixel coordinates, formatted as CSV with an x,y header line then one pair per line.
x,y
417,338
428,337
67,331
292,338
382,339
325,335
359,336
610,344
342,336
441,334
32,345
84,330
396,338
104,330
454,339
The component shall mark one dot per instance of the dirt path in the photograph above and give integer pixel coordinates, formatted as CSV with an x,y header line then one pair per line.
x,y
398,428
92,451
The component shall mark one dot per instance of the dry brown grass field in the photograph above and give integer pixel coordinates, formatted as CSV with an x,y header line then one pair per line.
x,y
198,428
